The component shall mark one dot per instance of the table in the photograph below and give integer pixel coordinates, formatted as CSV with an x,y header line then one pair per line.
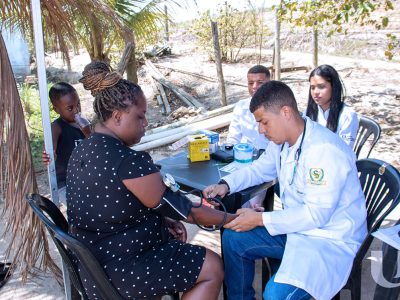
x,y
200,174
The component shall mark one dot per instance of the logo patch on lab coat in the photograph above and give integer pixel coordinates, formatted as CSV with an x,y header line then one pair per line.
x,y
316,176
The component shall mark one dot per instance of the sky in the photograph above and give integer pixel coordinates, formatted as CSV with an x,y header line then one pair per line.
x,y
189,10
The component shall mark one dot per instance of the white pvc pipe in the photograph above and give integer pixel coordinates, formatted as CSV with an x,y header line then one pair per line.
x,y
48,141
172,131
41,72
204,116
209,124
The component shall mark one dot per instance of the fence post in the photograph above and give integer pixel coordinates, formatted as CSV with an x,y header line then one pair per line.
x,y
217,54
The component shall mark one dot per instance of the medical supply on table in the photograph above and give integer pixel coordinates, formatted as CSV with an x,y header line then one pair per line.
x,y
243,153
213,139
198,148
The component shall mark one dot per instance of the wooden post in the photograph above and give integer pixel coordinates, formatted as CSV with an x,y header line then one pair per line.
x,y
217,54
126,56
315,46
131,68
277,58
166,33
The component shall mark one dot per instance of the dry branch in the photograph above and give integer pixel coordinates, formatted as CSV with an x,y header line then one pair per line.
x,y
180,93
160,103
211,79
126,55
28,237
164,98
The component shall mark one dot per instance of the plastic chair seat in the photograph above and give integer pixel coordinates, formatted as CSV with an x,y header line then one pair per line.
x,y
72,250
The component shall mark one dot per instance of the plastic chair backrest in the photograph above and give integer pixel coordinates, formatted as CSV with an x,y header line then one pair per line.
x,y
366,128
381,185
71,249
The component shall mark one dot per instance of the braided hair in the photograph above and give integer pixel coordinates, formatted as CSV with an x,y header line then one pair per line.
x,y
111,92
337,102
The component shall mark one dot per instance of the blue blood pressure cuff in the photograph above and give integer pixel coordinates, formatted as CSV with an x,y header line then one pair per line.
x,y
174,205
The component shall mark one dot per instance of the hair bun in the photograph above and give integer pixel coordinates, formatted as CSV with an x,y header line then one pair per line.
x,y
98,75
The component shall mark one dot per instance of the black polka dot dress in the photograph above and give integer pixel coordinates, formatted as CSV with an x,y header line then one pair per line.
x,y
130,241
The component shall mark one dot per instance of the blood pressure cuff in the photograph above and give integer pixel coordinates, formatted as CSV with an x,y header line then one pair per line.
x,y
174,205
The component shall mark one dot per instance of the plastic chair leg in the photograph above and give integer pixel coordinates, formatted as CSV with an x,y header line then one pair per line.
x,y
355,287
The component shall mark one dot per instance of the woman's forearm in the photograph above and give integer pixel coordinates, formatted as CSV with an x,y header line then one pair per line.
x,y
205,215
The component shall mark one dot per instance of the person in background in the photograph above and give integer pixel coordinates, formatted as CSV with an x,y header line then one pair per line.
x,y
326,105
67,131
318,233
243,127
120,207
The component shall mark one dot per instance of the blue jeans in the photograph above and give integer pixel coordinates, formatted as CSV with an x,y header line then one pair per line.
x,y
241,249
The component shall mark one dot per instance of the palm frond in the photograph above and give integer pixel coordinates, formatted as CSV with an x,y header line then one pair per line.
x,y
58,19
143,16
17,178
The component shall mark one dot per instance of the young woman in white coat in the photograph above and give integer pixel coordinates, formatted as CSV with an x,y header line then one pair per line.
x,y
326,106
317,234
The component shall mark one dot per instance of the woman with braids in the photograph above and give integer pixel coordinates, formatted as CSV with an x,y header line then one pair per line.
x,y
326,105
118,203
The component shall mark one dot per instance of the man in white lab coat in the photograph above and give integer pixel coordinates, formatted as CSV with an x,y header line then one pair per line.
x,y
243,127
323,222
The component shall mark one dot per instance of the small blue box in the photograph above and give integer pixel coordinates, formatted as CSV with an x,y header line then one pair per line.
x,y
213,137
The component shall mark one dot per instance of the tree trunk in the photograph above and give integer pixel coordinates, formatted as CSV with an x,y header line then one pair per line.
x,y
166,34
277,60
315,46
125,58
217,54
131,69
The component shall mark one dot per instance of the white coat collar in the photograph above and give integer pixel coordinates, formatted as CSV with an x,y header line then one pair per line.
x,y
292,150
287,156
323,116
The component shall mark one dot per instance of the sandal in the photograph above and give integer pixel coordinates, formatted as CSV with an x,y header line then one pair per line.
x,y
5,273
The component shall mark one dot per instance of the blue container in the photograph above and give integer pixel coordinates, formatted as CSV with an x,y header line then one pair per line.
x,y
243,153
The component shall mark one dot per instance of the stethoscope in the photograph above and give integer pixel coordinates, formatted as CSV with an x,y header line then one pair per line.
x,y
296,155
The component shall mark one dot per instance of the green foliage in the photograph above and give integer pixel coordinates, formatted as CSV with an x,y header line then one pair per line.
x,y
102,40
393,45
33,117
236,30
337,14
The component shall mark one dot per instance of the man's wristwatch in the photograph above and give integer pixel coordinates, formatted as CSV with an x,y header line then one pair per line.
x,y
222,181
170,182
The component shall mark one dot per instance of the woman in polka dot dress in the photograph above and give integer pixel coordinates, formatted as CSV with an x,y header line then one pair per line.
x,y
111,190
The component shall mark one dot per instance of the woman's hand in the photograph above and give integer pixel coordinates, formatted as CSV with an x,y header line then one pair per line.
x,y
177,229
257,207
247,219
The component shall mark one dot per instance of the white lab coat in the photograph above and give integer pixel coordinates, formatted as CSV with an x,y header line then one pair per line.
x,y
244,128
347,126
324,218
